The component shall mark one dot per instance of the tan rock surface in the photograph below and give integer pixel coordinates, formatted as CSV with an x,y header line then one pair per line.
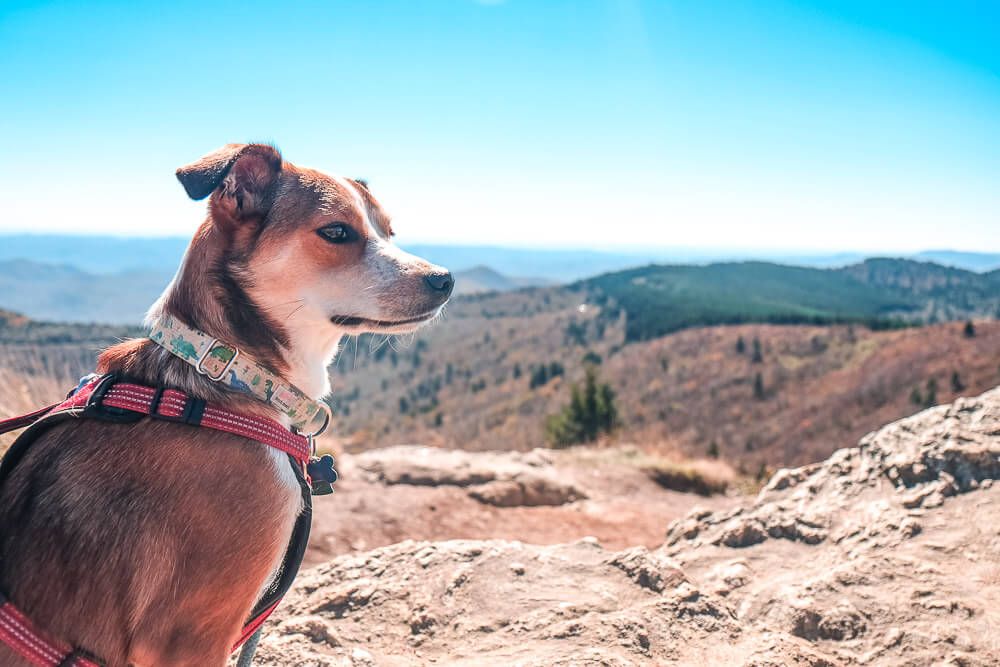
x,y
885,554
542,497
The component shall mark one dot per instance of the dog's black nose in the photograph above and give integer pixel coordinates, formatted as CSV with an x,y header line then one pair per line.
x,y
440,282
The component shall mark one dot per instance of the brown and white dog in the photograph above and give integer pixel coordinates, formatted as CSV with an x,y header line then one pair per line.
x,y
149,543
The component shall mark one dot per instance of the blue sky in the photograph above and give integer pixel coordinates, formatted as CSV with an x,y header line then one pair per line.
x,y
871,126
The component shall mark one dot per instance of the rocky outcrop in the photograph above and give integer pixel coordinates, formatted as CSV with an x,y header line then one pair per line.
x,y
885,554
496,603
911,464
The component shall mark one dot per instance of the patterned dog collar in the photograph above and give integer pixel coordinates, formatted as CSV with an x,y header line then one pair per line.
x,y
225,364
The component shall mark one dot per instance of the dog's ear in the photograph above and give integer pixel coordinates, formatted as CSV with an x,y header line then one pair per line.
x,y
242,174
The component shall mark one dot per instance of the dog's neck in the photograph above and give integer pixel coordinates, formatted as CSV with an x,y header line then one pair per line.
x,y
208,293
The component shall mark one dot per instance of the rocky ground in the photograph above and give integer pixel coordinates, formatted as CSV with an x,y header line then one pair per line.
x,y
542,497
887,553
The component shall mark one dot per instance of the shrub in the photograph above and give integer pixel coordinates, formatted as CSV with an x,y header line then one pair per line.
x,y
705,478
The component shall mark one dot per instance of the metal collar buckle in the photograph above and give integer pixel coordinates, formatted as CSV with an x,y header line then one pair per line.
x,y
217,358
311,437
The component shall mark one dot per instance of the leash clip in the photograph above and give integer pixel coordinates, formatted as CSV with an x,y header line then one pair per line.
x,y
311,437
211,355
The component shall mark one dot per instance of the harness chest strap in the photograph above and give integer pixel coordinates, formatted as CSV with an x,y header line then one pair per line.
x,y
21,635
174,405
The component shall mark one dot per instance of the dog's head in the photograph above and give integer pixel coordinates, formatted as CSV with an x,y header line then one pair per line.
x,y
311,249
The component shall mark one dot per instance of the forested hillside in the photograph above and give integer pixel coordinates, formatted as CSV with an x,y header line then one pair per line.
x,y
760,364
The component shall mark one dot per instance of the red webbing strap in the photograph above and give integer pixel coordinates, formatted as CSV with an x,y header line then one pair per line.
x,y
17,632
172,403
171,406
14,423
253,625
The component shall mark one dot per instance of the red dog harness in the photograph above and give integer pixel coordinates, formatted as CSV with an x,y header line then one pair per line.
x,y
108,399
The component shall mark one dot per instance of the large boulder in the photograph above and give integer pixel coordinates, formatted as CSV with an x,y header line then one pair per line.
x,y
502,479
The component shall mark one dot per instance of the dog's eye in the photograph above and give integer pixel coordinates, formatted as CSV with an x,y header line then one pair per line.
x,y
338,232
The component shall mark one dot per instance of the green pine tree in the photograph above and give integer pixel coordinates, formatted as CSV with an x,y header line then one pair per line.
x,y
758,387
930,393
590,413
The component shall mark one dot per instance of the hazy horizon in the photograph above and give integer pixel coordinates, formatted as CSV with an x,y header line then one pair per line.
x,y
567,246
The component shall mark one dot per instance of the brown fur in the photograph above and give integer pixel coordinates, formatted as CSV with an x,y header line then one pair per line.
x,y
149,543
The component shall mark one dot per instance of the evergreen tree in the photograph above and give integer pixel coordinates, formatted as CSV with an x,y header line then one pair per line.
x,y
607,411
591,412
970,329
930,393
741,345
956,382
539,376
713,450
758,387
758,354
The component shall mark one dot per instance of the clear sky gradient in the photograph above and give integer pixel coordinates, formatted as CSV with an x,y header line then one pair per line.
x,y
871,126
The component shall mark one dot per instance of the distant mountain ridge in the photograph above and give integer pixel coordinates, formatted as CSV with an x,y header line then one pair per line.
x,y
113,254
881,293
114,280
481,279
63,293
